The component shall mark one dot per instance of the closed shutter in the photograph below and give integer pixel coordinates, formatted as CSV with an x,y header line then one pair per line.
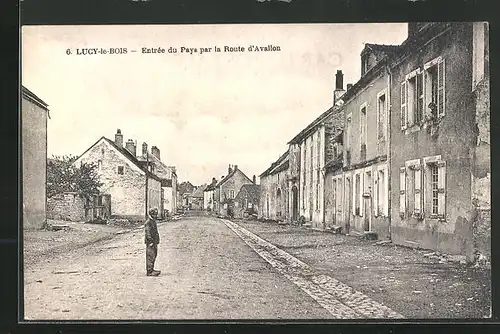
x,y
402,190
375,193
361,192
441,188
403,105
441,88
386,193
418,189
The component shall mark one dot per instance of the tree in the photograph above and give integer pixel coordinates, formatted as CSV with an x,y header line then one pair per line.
x,y
63,176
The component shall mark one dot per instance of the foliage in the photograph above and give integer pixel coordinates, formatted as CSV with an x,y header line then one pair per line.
x,y
64,176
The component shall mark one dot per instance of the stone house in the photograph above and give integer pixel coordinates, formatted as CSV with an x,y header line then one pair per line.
x,y
310,151
196,197
440,136
185,189
366,199
274,190
167,174
247,200
34,114
227,189
124,178
209,196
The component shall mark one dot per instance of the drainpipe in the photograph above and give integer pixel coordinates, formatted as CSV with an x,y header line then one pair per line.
x,y
389,143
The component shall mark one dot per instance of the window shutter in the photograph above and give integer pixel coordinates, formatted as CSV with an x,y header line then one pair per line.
x,y
402,190
375,193
353,194
403,105
418,189
361,191
386,192
441,88
441,187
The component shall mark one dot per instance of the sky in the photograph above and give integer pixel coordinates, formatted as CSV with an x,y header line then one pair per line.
x,y
203,111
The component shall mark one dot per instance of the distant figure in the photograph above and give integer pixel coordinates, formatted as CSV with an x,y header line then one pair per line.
x,y
152,239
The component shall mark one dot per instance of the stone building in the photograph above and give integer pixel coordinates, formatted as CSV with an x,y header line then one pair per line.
x,y
124,178
309,151
440,136
34,113
366,145
227,189
167,174
247,200
196,197
274,190
209,195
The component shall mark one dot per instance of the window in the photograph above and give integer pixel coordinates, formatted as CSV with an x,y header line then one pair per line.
x,y
102,151
120,170
381,117
435,88
99,164
363,125
437,191
417,189
382,199
231,194
434,189
414,98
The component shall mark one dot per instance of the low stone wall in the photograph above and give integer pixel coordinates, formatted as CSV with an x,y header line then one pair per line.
x,y
67,206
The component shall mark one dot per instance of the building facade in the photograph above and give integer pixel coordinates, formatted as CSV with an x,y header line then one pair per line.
x,y
274,196
124,178
247,201
34,114
366,199
437,126
227,189
209,196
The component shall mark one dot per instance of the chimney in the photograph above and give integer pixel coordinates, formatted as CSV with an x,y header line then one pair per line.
x,y
119,138
229,170
156,152
254,180
130,146
214,180
235,167
339,86
144,149
349,86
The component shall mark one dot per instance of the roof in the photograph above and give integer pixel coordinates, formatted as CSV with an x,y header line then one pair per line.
x,y
199,191
29,95
126,154
153,158
253,191
210,187
228,176
385,48
277,166
314,124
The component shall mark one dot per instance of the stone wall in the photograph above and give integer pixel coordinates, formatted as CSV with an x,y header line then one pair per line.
x,y
67,206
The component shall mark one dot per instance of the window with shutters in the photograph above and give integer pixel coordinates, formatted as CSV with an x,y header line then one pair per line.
x,y
417,191
414,98
435,88
437,189
434,189
382,203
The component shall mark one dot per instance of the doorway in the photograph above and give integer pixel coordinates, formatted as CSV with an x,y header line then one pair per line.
x,y
295,203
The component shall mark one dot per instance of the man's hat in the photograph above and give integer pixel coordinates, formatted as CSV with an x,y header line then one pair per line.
x,y
153,211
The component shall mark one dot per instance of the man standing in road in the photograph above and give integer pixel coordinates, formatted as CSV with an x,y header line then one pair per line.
x,y
152,239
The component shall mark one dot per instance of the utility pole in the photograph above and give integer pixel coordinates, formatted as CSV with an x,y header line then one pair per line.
x,y
147,170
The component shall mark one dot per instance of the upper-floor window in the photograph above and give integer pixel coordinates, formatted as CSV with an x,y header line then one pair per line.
x,y
99,164
363,124
120,170
231,194
348,133
381,116
423,94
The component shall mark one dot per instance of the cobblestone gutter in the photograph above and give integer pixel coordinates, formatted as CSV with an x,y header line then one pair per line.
x,y
339,299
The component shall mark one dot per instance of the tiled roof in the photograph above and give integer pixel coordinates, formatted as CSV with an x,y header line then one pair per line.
x,y
228,176
252,190
381,48
310,128
199,191
275,165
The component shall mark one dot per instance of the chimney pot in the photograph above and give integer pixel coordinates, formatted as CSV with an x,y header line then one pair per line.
x,y
119,138
349,86
144,149
235,167
130,146
156,152
339,80
254,179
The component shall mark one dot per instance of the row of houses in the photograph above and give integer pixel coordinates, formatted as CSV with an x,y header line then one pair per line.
x,y
234,195
404,153
132,183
